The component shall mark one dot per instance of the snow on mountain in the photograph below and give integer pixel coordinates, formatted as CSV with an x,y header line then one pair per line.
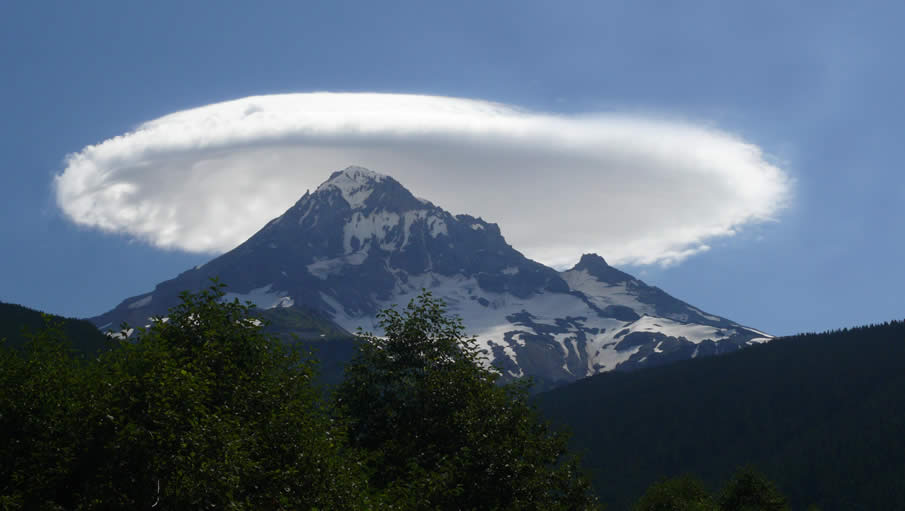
x,y
603,294
263,297
354,183
361,242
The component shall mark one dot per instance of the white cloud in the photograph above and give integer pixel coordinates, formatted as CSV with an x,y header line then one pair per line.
x,y
635,190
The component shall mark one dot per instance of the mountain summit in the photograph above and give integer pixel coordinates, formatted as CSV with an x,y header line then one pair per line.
x,y
357,184
362,242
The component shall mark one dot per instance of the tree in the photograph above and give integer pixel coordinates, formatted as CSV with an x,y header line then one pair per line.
x,y
748,490
437,430
44,390
200,410
683,493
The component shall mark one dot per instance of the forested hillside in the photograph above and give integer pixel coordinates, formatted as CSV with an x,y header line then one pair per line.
x,y
17,321
822,415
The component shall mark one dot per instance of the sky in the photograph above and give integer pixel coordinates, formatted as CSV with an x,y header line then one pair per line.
x,y
744,157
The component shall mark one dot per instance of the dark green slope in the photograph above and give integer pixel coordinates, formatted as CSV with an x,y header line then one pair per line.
x,y
332,346
16,321
823,415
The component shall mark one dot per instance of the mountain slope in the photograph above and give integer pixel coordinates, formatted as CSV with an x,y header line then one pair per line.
x,y
16,321
821,415
362,242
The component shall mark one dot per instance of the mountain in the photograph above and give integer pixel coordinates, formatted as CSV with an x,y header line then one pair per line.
x,y
822,415
17,321
362,242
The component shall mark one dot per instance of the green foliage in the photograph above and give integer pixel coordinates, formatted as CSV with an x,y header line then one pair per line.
x,y
201,411
314,332
683,493
439,433
206,410
748,490
44,393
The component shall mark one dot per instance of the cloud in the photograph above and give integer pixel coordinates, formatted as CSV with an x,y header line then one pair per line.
x,y
635,190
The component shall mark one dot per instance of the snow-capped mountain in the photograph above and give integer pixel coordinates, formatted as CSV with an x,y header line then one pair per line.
x,y
362,242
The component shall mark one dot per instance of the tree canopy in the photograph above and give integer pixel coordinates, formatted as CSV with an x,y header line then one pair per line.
x,y
437,430
199,411
747,490
204,410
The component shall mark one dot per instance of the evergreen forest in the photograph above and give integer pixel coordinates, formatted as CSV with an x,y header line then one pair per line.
x,y
821,415
208,410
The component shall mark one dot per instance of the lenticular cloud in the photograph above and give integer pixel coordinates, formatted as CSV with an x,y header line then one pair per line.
x,y
635,190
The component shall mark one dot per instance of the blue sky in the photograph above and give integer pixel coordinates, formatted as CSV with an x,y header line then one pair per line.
x,y
816,86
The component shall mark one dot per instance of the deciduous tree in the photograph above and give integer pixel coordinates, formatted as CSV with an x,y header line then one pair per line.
x,y
440,433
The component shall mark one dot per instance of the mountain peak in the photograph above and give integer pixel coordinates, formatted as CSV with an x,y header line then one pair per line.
x,y
592,259
364,189
598,267
354,183
356,174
